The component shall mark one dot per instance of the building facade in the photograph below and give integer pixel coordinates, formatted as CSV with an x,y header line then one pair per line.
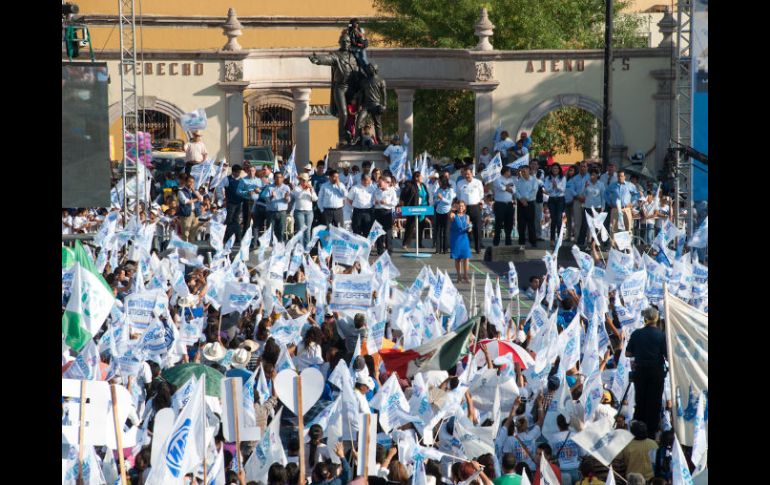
x,y
258,87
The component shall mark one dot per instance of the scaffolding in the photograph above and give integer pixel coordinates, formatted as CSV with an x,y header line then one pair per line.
x,y
682,129
128,97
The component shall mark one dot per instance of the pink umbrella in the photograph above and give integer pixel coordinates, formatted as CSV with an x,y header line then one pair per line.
x,y
499,348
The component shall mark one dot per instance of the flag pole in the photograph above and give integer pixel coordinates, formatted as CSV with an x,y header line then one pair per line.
x,y
669,345
81,434
301,431
203,410
118,433
365,451
241,474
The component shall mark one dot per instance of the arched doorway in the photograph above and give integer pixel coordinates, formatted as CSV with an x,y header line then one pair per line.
x,y
567,134
270,125
618,148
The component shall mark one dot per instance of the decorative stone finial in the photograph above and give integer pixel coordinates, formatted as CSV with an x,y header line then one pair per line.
x,y
232,30
667,26
484,30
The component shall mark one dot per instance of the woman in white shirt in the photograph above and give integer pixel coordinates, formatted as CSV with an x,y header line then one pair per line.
x,y
304,196
555,186
309,352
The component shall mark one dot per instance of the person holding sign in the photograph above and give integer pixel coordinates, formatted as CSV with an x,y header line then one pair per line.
x,y
460,242
194,152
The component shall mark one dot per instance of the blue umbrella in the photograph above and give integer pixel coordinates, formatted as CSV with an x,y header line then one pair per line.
x,y
235,372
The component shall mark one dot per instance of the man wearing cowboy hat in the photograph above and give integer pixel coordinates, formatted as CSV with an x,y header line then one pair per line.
x,y
213,352
241,358
194,152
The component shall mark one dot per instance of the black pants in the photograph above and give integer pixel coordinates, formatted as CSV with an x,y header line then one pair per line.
x,y
362,221
385,218
442,233
581,240
526,222
246,209
233,221
556,208
260,219
503,220
474,213
570,233
648,386
333,216
409,231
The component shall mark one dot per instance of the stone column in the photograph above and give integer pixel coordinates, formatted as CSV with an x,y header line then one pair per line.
x,y
483,121
664,101
406,118
234,120
301,125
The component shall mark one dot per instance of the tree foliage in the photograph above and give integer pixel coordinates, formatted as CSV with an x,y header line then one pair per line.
x,y
444,120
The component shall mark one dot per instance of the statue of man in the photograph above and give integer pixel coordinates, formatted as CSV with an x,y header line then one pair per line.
x,y
343,65
373,99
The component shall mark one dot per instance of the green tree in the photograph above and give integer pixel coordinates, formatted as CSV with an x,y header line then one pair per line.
x,y
445,119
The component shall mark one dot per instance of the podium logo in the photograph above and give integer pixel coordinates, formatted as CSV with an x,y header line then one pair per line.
x,y
176,448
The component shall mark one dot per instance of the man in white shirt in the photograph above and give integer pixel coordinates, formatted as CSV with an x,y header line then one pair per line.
x,y
385,200
394,150
504,145
485,156
471,191
504,187
331,199
278,204
526,194
194,152
361,197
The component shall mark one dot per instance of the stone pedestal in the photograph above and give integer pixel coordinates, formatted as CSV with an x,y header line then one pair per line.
x,y
406,118
358,157
301,125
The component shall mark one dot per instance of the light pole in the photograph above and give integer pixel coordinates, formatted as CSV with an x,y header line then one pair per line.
x,y
607,83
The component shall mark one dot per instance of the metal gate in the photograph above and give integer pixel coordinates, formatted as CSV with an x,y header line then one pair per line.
x,y
159,125
270,125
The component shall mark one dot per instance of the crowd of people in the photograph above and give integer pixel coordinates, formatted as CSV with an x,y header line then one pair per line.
x,y
480,416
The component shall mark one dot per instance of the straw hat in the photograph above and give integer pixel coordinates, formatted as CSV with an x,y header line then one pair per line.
x,y
250,345
241,358
214,351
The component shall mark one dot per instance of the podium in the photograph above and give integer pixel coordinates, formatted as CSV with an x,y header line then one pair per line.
x,y
417,211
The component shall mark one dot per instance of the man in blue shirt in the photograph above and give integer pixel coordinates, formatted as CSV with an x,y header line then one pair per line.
x,y
247,189
624,195
278,204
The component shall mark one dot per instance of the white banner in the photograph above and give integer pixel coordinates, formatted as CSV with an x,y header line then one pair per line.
x,y
351,292
346,246
687,339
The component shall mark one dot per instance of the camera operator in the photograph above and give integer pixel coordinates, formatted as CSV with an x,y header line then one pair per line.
x,y
647,347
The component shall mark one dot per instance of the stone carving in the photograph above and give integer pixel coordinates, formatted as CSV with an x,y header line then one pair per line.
x,y
484,71
233,71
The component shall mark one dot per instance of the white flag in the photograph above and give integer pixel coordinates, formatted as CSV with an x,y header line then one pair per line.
x,y
246,244
610,478
183,450
547,475
493,308
92,470
375,232
269,450
700,444
520,162
700,238
569,342
216,474
513,280
600,439
86,365
492,171
680,472
687,337
389,400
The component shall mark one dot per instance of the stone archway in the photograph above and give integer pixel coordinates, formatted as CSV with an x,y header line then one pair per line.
x,y
151,103
618,147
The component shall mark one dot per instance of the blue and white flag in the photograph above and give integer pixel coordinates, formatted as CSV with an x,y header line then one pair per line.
x,y
262,391
291,168
249,413
184,449
236,296
375,232
269,450
700,443
85,367
513,280
398,167
195,120
284,359
493,306
182,396
680,471
216,474
492,171
700,238
520,162
92,469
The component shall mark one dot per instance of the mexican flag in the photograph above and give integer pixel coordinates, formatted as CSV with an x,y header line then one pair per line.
x,y
440,353
87,308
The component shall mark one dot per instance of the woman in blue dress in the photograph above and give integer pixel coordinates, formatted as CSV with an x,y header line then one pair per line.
x,y
459,243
